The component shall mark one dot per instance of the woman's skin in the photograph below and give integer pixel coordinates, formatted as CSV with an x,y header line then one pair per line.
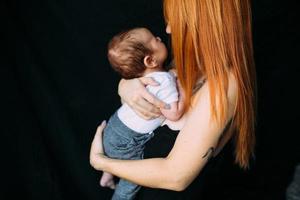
x,y
191,151
211,40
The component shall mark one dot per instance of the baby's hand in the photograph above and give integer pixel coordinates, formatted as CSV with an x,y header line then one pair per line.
x,y
174,72
174,113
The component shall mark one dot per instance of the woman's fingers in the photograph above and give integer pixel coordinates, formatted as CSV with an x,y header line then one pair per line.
x,y
147,105
146,110
96,152
100,129
148,81
153,100
135,94
97,146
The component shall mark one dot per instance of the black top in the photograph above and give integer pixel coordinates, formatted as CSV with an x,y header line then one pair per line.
x,y
207,185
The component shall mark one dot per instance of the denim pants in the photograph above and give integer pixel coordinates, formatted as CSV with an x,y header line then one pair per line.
x,y
293,190
121,142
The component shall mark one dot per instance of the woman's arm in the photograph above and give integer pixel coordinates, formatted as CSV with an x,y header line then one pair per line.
x,y
193,147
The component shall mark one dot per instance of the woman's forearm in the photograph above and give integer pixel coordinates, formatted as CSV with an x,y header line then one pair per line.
x,y
153,172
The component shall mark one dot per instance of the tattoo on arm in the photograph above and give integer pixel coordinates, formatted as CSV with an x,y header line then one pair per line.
x,y
209,153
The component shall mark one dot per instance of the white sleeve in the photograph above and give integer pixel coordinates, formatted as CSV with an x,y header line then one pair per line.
x,y
168,92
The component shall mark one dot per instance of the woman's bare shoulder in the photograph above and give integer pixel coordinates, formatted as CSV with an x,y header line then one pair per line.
x,y
231,92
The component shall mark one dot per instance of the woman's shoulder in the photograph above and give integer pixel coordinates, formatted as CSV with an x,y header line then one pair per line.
x,y
232,89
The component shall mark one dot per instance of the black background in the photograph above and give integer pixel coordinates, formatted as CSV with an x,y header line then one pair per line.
x,y
56,87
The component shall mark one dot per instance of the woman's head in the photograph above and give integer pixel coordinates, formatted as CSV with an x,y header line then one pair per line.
x,y
134,51
212,39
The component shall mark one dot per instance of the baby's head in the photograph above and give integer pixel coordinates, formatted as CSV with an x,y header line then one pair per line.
x,y
135,52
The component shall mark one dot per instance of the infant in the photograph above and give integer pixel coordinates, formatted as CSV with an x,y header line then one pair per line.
x,y
137,53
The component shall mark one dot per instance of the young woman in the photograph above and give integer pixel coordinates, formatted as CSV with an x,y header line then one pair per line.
x,y
212,48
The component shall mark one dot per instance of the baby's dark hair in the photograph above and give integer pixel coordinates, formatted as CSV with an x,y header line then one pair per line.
x,y
126,54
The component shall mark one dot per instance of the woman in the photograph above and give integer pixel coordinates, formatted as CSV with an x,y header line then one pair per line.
x,y
212,44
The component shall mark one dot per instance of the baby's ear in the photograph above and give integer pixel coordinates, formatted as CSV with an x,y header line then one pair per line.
x,y
150,61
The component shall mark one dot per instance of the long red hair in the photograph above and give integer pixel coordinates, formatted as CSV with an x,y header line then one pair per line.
x,y
211,38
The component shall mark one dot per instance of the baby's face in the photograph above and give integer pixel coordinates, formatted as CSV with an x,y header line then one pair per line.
x,y
154,43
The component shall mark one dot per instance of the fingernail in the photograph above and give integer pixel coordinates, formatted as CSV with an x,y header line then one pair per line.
x,y
167,106
103,122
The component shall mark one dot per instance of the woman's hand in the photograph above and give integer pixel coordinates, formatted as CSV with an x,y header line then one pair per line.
x,y
96,153
134,93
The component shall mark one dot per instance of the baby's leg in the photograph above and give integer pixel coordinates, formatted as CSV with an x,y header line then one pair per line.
x,y
107,180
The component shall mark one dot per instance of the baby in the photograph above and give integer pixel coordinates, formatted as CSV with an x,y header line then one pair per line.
x,y
136,53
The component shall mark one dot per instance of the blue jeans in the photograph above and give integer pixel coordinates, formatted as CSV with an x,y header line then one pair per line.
x,y
293,190
121,142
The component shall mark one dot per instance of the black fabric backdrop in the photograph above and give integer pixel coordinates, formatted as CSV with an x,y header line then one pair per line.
x,y
57,86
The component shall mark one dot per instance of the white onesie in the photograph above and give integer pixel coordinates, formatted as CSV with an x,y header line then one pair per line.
x,y
166,91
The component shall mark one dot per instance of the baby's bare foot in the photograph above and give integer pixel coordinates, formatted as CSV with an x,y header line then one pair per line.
x,y
107,180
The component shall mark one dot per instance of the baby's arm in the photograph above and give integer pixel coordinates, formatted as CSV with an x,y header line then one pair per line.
x,y
175,111
176,108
